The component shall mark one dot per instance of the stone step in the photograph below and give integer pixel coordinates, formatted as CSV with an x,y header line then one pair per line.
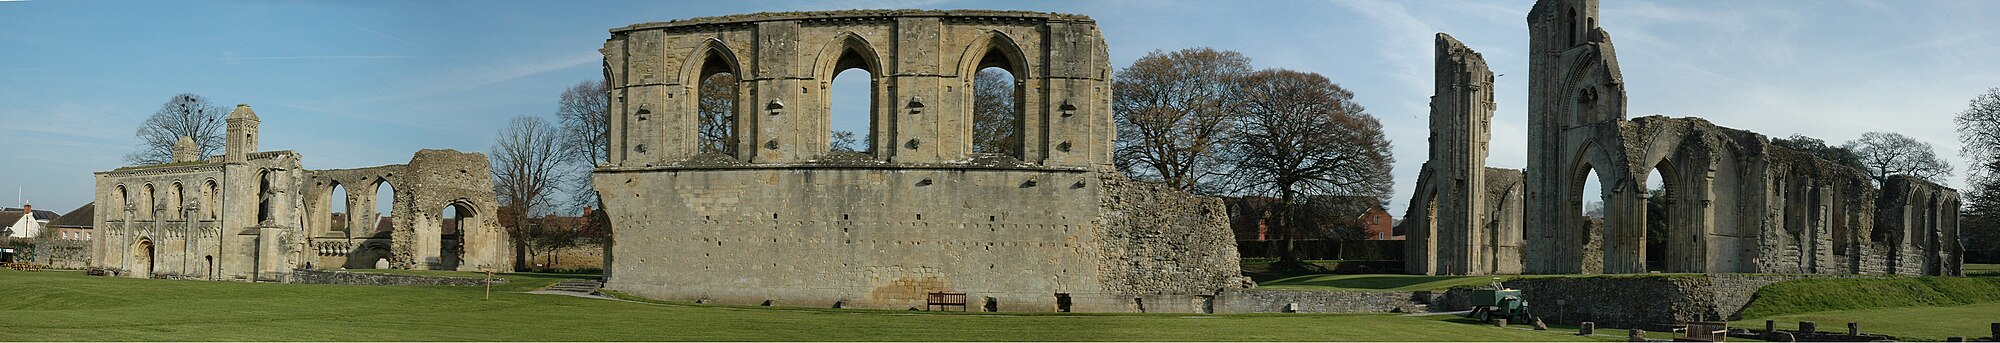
x,y
577,286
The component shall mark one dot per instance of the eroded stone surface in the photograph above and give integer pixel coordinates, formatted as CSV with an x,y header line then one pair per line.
x,y
259,215
783,220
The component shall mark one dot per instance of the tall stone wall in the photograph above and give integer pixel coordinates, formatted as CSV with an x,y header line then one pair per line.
x,y
779,219
1462,220
1735,201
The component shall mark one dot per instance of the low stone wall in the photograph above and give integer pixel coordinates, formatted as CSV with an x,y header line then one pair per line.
x,y
1278,301
371,279
1646,302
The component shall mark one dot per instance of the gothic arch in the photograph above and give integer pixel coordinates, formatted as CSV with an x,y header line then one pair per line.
x,y
849,50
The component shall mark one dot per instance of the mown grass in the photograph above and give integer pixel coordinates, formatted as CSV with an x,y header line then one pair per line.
x,y
1924,323
1981,269
1838,294
68,306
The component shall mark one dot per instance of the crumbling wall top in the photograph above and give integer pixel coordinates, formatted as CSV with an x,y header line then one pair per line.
x,y
852,15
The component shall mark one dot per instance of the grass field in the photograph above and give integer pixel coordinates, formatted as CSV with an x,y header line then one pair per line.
x,y
51,305
1978,269
1926,323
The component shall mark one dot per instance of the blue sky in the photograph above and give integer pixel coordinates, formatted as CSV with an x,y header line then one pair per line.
x,y
366,83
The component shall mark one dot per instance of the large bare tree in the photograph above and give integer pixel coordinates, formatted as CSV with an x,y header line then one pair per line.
x,y
585,112
1173,111
186,114
1979,130
996,127
718,114
531,166
1888,153
1300,135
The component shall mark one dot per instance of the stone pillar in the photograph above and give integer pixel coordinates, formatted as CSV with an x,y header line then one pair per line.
x,y
1770,325
1635,335
1853,329
1586,328
1808,327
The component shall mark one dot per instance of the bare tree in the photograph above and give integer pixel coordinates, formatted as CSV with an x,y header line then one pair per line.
x,y
186,114
718,114
843,141
1173,110
530,167
585,113
1979,130
1888,153
1302,135
996,128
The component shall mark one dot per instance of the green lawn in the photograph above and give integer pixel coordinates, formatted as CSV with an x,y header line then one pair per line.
x,y
1978,269
1908,323
52,305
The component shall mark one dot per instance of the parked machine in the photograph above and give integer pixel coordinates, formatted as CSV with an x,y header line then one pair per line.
x,y
1489,304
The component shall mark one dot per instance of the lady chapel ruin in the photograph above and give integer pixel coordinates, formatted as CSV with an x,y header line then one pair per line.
x,y
259,216
760,206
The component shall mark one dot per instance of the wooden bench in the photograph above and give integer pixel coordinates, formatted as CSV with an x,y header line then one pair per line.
x,y
1704,332
944,301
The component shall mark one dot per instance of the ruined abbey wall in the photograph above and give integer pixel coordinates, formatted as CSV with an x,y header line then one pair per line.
x,y
259,215
780,220
1735,201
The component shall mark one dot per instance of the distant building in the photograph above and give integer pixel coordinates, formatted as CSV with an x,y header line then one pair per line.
x,y
75,225
25,222
1250,218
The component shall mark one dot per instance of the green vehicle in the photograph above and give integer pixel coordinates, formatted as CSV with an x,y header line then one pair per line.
x,y
1488,304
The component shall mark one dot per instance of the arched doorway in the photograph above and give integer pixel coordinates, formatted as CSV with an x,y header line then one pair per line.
x,y
142,258
451,235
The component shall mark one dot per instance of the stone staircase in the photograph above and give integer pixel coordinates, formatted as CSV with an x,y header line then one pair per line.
x,y
576,286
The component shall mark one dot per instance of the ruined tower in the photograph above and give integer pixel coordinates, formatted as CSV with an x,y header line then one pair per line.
x,y
1453,223
242,134
1575,91
185,150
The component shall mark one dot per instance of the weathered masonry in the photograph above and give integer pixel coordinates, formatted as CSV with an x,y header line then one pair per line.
x,y
1465,218
756,209
251,215
1735,202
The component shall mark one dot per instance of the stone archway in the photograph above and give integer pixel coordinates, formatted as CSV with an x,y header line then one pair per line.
x,y
142,258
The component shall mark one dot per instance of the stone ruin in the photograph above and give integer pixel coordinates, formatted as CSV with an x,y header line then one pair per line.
x,y
1465,217
766,214
258,215
1735,202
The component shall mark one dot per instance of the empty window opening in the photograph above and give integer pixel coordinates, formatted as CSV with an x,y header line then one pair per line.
x,y
851,104
336,209
385,204
717,106
1592,195
1139,304
1659,201
996,116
